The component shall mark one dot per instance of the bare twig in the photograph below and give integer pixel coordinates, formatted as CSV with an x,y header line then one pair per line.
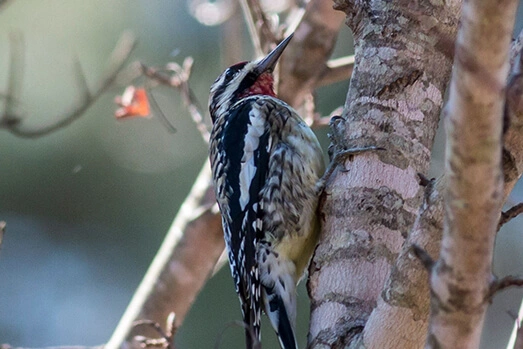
x,y
501,284
166,339
259,27
81,82
256,342
14,80
304,63
510,214
152,324
179,79
163,118
2,231
231,39
336,70
227,326
518,343
117,61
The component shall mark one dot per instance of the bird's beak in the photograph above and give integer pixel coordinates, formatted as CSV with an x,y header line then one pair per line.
x,y
268,63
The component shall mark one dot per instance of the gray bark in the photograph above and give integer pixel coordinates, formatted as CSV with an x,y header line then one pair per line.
x,y
394,101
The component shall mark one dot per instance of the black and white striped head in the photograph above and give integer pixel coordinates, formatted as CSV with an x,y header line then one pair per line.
x,y
244,79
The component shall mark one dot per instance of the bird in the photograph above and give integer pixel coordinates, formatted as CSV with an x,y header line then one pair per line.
x,y
266,167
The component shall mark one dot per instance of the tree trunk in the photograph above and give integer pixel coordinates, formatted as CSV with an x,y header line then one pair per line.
x,y
403,63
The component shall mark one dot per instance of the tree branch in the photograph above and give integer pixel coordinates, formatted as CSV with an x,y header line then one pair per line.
x,y
502,284
337,70
304,62
180,81
380,195
14,81
166,340
259,27
2,232
182,265
510,214
119,57
517,340
406,304
461,279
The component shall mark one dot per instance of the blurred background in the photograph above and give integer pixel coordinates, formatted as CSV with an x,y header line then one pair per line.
x,y
87,206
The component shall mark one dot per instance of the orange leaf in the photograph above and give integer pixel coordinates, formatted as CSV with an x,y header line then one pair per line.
x,y
133,103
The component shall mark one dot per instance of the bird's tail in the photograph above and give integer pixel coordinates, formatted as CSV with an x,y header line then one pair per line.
x,y
281,315
252,328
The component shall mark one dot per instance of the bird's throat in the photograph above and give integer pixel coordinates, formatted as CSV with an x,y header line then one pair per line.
x,y
264,85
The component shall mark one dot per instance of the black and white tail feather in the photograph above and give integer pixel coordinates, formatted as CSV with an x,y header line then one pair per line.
x,y
266,163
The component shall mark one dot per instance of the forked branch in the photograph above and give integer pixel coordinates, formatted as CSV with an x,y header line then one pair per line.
x,y
12,122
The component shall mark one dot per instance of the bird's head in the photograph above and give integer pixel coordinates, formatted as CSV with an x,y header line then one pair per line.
x,y
245,79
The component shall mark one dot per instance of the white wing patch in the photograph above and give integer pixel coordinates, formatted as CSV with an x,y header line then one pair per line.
x,y
252,139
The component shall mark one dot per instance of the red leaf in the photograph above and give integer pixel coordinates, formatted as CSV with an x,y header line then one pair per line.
x,y
133,103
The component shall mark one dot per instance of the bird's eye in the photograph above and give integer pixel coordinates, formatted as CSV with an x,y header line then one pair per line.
x,y
229,74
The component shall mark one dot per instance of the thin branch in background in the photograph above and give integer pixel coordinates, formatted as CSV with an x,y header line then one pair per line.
x,y
2,231
178,77
14,80
163,118
314,119
117,61
259,26
304,63
81,82
510,214
339,69
166,339
319,121
4,4
294,19
231,35
501,284
518,343
227,326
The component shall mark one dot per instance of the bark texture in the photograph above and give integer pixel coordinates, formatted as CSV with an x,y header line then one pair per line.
x,y
394,101
400,319
462,277
404,315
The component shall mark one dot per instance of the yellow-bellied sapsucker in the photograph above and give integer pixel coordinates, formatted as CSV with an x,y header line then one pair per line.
x,y
266,164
